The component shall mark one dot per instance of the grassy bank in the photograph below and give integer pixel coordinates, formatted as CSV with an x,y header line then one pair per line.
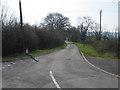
x,y
34,53
90,51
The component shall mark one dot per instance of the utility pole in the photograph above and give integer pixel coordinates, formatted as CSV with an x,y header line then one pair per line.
x,y
23,32
21,20
100,24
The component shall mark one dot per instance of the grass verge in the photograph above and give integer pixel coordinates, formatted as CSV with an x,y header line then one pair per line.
x,y
34,53
90,51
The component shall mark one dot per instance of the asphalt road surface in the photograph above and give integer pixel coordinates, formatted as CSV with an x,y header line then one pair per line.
x,y
106,64
62,69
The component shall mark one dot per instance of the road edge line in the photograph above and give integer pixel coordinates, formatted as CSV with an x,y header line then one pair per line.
x,y
98,67
54,80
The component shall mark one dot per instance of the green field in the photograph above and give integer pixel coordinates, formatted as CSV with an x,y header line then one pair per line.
x,y
34,53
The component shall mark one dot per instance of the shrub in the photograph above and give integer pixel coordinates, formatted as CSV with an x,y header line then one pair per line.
x,y
35,38
104,46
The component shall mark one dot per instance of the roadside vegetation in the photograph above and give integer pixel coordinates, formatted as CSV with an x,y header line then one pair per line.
x,y
106,48
91,51
37,39
102,44
46,37
34,53
52,33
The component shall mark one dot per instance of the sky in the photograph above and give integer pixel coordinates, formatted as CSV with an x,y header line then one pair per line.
x,y
34,11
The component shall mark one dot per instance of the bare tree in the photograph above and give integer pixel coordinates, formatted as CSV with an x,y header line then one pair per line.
x,y
95,29
84,24
3,12
6,17
56,21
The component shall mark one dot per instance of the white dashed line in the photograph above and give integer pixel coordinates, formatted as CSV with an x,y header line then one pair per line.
x,y
54,81
8,65
12,63
33,61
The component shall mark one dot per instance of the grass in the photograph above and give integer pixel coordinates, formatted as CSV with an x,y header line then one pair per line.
x,y
38,52
90,51
34,53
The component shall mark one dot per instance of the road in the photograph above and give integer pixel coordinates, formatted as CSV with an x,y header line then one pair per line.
x,y
107,64
63,69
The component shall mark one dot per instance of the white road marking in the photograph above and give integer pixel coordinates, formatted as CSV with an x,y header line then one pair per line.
x,y
12,63
54,80
33,61
98,67
8,65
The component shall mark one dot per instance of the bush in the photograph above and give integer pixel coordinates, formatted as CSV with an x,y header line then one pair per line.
x,y
49,39
11,41
87,49
36,38
104,46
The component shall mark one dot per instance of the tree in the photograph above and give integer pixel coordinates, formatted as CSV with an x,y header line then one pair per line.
x,y
3,12
84,24
56,21
95,29
6,17
72,34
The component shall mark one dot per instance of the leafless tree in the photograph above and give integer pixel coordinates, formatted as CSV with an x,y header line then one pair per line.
x,y
3,12
6,17
95,29
84,24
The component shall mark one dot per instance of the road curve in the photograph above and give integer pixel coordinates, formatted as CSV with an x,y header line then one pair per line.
x,y
66,66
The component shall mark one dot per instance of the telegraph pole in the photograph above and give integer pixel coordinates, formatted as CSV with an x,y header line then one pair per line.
x,y
23,34
21,20
100,24
21,24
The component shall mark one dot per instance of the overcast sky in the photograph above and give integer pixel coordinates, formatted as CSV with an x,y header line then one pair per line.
x,y
35,10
